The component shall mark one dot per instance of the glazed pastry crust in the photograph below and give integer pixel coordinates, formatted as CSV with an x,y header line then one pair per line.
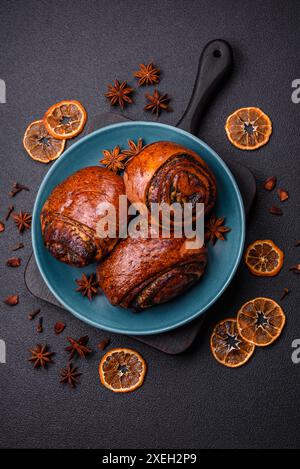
x,y
140,273
70,215
167,172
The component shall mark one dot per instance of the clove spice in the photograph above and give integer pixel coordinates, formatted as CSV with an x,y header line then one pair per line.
x,y
9,212
33,314
103,344
286,291
17,187
18,246
39,327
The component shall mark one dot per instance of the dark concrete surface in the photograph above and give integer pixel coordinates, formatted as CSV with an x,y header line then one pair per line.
x,y
55,50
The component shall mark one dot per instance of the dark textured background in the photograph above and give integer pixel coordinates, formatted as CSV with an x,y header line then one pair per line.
x,y
72,49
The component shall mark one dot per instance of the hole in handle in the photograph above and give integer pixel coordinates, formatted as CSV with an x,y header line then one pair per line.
x,y
217,53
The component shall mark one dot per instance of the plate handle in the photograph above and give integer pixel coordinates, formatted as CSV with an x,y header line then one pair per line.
x,y
214,64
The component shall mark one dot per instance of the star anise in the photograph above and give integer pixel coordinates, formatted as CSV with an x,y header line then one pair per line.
x,y
118,94
215,229
133,150
78,347
148,74
40,356
22,220
70,375
87,285
113,159
158,102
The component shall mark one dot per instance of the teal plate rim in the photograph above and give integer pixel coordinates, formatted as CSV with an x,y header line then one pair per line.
x,y
35,220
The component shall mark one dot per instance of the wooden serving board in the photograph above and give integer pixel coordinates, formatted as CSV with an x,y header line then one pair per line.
x,y
178,340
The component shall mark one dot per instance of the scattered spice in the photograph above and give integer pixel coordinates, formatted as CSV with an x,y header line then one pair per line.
x,y
113,159
276,210
148,74
18,246
70,375
22,220
133,150
157,103
13,262
78,347
270,183
33,314
87,285
9,212
118,94
40,356
39,327
286,291
59,327
2,227
215,229
12,300
103,344
283,195
295,268
17,187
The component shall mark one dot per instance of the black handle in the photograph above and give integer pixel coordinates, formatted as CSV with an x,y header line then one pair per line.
x,y
215,63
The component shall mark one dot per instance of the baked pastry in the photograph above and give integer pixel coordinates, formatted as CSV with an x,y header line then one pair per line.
x,y
142,272
70,215
165,172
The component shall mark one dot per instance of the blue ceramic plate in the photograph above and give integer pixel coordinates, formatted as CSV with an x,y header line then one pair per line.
x,y
224,257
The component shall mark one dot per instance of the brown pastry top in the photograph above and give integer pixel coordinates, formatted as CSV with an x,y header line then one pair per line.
x,y
70,215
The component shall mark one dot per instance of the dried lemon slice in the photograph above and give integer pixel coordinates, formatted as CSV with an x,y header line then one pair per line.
x,y
65,119
227,345
261,321
263,258
40,144
248,128
122,370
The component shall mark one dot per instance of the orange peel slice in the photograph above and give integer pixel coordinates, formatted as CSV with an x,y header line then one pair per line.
x,y
66,119
122,370
261,321
263,258
227,345
40,144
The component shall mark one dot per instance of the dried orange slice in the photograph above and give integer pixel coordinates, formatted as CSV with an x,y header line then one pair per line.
x,y
40,144
66,119
122,370
260,321
227,345
248,128
263,258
